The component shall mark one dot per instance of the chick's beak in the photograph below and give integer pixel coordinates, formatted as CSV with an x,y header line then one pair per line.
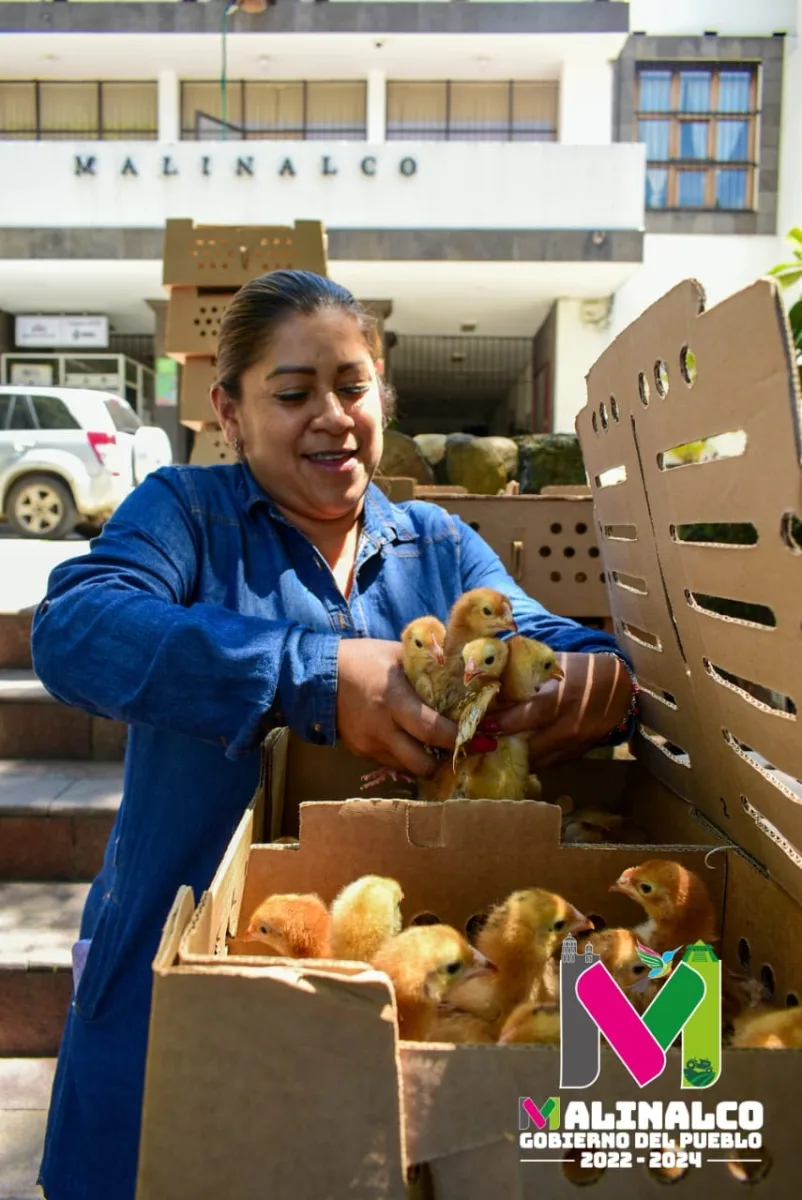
x,y
579,923
479,966
437,652
623,884
557,672
472,671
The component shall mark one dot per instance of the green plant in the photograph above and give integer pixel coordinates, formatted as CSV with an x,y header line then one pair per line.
x,y
787,275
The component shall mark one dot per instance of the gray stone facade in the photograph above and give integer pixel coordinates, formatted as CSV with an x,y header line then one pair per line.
x,y
768,54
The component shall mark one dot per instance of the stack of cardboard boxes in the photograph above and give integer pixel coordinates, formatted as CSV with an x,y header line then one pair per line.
x,y
204,266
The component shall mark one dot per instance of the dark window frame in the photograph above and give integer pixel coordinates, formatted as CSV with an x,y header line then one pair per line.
x,y
677,117
38,134
305,132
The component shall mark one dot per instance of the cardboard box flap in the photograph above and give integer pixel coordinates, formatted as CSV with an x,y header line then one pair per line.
x,y
693,421
230,255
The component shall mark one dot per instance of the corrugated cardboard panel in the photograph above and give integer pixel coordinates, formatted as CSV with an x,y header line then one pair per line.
x,y
193,322
230,255
547,543
197,379
211,448
742,382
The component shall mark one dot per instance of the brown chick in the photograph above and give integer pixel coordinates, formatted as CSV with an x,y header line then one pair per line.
x,y
532,1023
424,963
772,1029
521,936
481,612
531,664
363,916
676,902
618,950
472,1012
292,926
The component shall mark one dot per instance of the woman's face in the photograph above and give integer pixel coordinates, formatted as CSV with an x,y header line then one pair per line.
x,y
310,415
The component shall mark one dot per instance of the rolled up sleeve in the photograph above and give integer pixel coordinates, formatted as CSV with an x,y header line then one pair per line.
x,y
119,635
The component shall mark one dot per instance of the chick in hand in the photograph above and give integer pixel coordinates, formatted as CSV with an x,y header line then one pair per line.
x,y
424,963
532,1024
772,1029
530,665
484,660
292,926
676,902
481,612
363,916
521,937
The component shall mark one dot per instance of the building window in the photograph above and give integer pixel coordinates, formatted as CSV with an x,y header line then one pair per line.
x,y
294,111
700,129
33,110
470,112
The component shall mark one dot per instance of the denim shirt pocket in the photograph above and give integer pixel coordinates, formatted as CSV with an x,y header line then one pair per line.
x,y
99,963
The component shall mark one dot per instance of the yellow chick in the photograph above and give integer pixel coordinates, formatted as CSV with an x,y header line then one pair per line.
x,y
529,666
423,642
424,963
772,1029
521,937
292,926
481,612
363,916
484,661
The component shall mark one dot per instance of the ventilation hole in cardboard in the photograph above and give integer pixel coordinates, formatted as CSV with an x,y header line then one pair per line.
x,y
669,1172
603,414
721,534
772,832
744,953
791,528
618,533
426,918
650,640
474,525
705,450
657,693
614,409
687,365
759,616
579,1175
631,583
555,577
581,527
767,979
723,804
544,551
594,420
594,552
661,378
753,1165
569,552
556,527
580,577
612,477
597,921
475,924
792,1000
755,693
602,578
670,749
643,389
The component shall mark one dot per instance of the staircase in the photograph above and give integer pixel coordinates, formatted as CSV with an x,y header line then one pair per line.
x,y
60,787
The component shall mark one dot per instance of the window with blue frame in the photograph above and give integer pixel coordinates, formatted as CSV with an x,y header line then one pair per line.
x,y
699,124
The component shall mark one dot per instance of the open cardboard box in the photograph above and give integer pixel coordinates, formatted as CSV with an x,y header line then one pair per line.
x,y
287,1079
229,255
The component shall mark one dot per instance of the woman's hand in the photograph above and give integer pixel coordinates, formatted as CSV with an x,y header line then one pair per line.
x,y
379,713
568,718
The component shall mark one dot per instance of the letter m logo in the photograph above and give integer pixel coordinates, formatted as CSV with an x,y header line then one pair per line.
x,y
530,1114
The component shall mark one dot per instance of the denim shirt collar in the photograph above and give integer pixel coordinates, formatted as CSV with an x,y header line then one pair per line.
x,y
384,522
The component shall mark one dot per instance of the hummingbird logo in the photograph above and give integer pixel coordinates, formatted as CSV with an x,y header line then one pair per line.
x,y
659,964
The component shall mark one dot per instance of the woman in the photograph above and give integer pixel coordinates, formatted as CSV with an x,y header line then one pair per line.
x,y
221,602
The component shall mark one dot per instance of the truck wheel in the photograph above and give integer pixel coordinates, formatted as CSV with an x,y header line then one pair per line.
x,y
41,506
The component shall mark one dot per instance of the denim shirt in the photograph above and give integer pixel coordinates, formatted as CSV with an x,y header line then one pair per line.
x,y
203,618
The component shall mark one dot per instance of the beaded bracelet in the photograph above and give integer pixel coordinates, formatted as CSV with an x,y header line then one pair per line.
x,y
627,726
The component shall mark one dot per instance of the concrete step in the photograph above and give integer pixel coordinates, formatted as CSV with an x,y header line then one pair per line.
x,y
38,924
25,1086
35,725
15,639
55,818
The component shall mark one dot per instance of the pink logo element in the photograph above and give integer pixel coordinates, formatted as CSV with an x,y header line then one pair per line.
x,y
534,1113
635,1045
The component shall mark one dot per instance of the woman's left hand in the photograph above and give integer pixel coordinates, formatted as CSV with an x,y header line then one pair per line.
x,y
569,717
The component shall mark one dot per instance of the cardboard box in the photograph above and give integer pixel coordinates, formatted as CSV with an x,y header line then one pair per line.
x,y
193,322
309,1050
212,256
211,448
197,379
273,1077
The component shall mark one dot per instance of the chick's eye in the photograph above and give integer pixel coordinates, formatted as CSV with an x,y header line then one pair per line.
x,y
263,929
419,643
487,612
558,926
638,969
491,658
454,968
645,888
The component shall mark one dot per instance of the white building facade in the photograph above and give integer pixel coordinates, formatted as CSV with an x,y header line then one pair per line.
x,y
515,182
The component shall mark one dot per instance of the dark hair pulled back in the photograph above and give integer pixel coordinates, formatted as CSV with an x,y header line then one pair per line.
x,y
261,305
